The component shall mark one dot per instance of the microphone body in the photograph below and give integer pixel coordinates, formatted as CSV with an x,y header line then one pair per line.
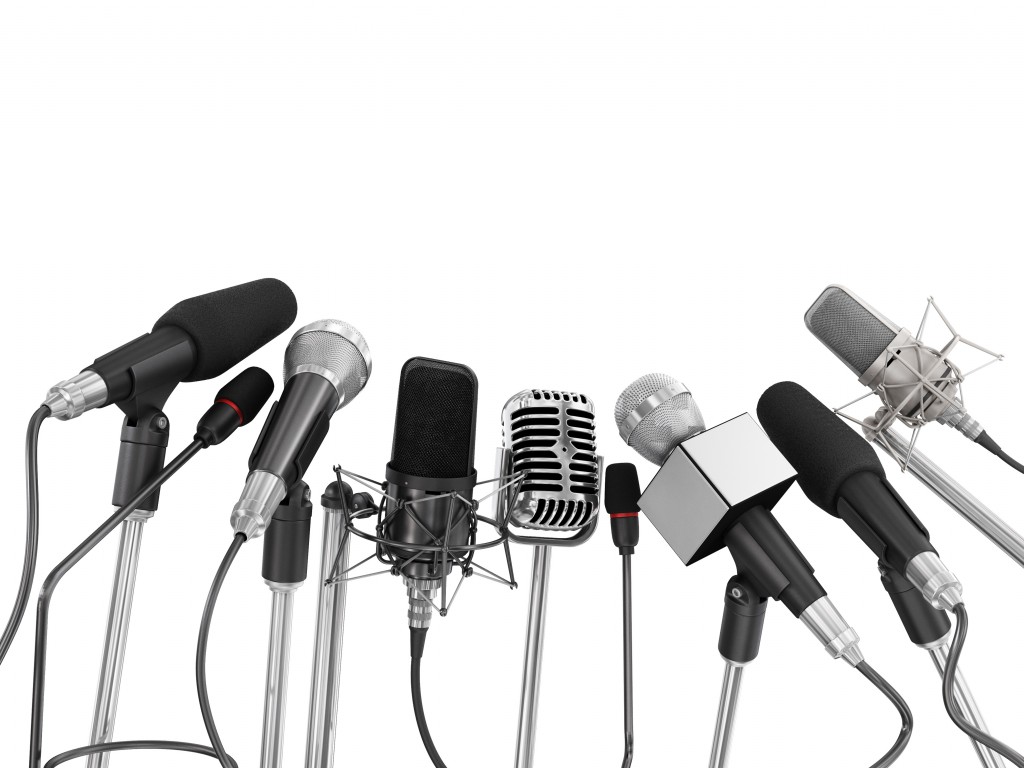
x,y
327,364
839,472
197,339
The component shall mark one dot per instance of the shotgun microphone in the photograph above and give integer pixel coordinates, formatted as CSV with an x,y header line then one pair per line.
x,y
326,364
839,472
197,339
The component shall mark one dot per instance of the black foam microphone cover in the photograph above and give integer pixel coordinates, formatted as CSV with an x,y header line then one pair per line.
x,y
622,501
435,422
822,448
227,326
247,393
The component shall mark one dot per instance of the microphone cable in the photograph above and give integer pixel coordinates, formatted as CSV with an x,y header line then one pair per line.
x,y
417,640
42,625
893,695
201,647
985,441
949,681
28,569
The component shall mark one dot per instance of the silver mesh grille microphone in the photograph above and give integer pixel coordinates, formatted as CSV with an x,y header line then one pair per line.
x,y
656,413
334,350
550,436
855,332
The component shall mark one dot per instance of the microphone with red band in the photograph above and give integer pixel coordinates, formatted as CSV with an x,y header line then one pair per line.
x,y
237,403
622,500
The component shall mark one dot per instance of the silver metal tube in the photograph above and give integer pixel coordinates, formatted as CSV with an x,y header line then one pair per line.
x,y
532,658
118,618
968,706
977,514
276,697
324,704
731,682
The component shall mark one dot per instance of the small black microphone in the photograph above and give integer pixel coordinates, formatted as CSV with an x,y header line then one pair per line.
x,y
197,339
839,472
622,501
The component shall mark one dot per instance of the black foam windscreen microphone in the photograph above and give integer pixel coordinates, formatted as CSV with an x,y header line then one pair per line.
x,y
197,339
431,475
839,472
237,403
622,502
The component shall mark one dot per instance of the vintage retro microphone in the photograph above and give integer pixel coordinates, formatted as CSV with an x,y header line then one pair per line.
x,y
550,452
427,515
715,489
326,365
924,383
197,339
840,473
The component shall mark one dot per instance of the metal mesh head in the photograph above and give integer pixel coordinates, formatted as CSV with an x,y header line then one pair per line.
x,y
664,412
855,333
335,349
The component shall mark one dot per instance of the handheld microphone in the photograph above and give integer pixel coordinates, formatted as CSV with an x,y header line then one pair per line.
x,y
326,364
197,339
716,489
839,472
622,501
432,460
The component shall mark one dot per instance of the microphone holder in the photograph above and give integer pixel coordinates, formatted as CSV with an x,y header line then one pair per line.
x,y
144,438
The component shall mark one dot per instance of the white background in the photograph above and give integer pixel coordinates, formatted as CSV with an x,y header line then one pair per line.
x,y
560,194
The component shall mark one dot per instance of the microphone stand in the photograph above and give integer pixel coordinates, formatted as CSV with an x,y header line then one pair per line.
x,y
530,694
144,436
285,561
738,643
929,628
946,488
324,702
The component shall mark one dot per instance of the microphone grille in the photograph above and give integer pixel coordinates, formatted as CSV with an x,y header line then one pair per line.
x,y
856,333
551,437
656,413
435,422
335,350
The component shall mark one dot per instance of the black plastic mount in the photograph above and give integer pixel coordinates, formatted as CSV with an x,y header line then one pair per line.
x,y
286,542
742,621
144,436
925,625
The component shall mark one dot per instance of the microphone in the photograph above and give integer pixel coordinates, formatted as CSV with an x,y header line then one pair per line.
x,y
326,364
432,460
715,489
917,383
622,500
839,472
551,442
197,339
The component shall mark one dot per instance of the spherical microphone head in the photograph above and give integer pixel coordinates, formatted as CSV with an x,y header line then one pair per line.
x,y
227,326
822,448
247,393
855,332
332,349
656,413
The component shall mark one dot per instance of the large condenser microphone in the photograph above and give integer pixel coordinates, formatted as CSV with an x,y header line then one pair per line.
x,y
326,364
431,475
716,489
197,339
839,472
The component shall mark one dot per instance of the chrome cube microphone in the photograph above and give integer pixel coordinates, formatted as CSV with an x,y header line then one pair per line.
x,y
550,455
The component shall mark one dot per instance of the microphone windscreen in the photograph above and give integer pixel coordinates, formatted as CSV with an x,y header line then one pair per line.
x,y
229,325
435,422
855,333
823,450
247,393
621,489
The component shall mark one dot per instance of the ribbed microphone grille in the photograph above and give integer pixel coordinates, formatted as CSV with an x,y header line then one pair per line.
x,y
336,347
552,439
435,422
669,423
844,324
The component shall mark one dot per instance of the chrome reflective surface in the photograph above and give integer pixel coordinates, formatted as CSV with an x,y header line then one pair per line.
x,y
731,681
968,706
79,394
276,696
530,693
828,625
261,496
938,585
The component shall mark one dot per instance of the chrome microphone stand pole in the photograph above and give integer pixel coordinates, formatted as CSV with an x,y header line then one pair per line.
x,y
285,560
946,488
324,703
144,436
530,695
738,643
968,706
